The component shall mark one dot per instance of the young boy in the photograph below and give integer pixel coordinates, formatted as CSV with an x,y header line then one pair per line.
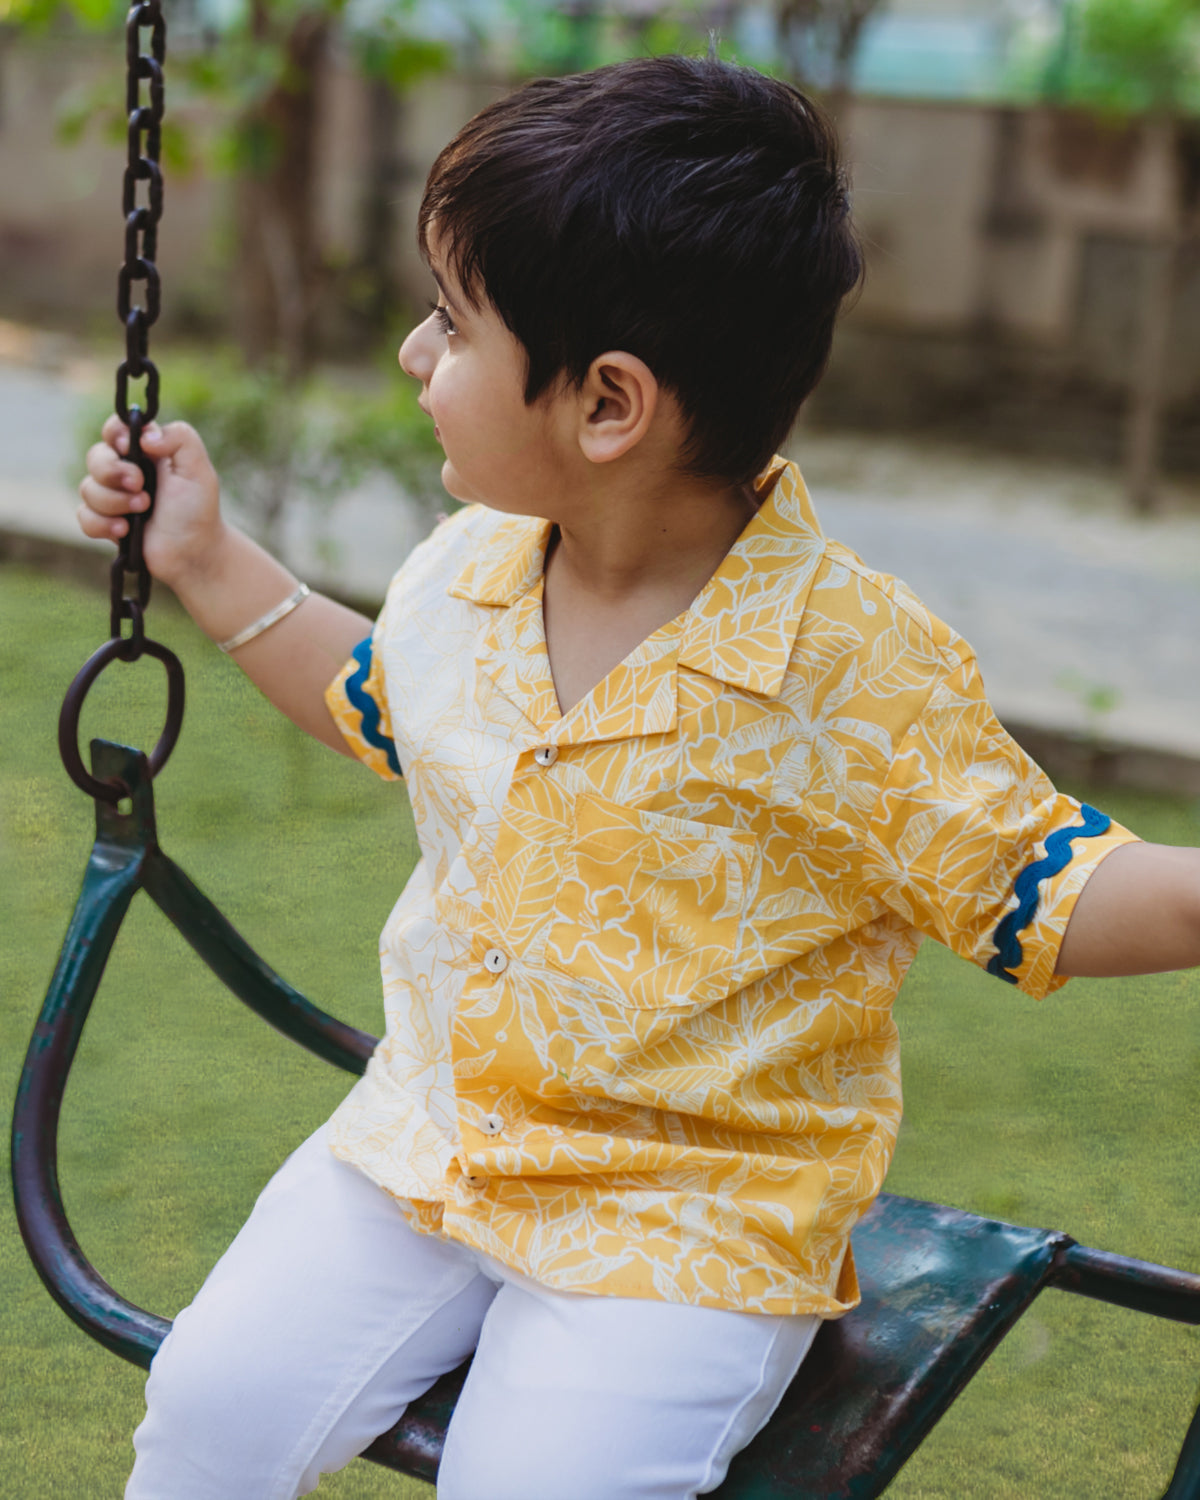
x,y
690,783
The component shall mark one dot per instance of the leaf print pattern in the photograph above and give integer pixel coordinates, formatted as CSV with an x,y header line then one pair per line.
x,y
703,905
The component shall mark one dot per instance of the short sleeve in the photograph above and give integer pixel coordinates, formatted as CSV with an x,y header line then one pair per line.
x,y
357,699
971,844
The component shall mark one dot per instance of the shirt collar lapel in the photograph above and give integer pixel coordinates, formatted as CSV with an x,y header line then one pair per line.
x,y
508,565
506,574
740,630
743,624
636,698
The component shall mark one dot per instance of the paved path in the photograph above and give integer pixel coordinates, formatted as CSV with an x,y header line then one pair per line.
x,y
1082,618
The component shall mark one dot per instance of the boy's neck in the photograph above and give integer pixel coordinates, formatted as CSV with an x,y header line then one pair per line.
x,y
630,539
623,563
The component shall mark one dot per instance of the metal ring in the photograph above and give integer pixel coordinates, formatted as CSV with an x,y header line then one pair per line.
x,y
68,719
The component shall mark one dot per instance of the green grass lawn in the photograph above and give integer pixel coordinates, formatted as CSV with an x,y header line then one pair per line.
x,y
1078,1114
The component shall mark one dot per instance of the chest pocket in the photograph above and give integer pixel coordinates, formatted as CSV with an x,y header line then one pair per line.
x,y
651,906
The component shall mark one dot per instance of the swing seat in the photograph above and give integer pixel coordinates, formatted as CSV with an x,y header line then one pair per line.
x,y
940,1287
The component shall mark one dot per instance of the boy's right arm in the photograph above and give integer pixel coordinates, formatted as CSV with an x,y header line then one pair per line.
x,y
224,580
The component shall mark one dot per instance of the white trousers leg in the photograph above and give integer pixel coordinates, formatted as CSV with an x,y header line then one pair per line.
x,y
328,1315
611,1398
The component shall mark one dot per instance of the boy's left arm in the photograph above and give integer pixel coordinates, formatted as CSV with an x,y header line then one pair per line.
x,y
1139,913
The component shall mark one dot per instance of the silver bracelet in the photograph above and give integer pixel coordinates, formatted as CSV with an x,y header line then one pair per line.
x,y
264,622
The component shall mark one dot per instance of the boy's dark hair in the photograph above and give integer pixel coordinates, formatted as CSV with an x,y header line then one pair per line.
x,y
689,211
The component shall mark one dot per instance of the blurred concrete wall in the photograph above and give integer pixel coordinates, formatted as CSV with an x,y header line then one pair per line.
x,y
61,226
1007,252
1006,248
60,220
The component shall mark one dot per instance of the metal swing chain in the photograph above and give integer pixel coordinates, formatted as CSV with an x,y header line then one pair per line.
x,y
141,245
141,248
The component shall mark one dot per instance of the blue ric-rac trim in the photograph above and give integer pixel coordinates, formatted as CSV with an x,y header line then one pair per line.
x,y
368,709
1009,953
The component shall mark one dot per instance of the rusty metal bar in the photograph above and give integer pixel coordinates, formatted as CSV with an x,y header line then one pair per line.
x,y
1136,1284
241,970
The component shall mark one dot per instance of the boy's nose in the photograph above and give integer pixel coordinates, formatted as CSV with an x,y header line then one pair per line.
x,y
417,354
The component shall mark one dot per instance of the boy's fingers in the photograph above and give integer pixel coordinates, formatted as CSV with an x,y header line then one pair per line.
x,y
178,441
107,470
108,501
116,434
110,469
166,439
103,528
163,440
120,484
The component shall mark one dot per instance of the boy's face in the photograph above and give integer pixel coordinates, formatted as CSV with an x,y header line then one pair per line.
x,y
499,451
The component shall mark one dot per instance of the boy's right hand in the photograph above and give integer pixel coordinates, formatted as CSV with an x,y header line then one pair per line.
x,y
186,528
222,578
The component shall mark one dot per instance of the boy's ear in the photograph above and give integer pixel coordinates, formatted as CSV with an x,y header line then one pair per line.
x,y
617,405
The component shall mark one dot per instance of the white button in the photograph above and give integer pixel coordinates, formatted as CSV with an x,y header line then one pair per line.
x,y
491,1124
494,961
475,1182
546,755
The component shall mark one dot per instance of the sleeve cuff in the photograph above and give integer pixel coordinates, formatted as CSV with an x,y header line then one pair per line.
x,y
1030,935
357,701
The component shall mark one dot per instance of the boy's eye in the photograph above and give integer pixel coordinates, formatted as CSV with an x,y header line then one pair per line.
x,y
444,321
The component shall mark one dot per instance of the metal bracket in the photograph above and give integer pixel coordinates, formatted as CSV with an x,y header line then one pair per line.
x,y
125,858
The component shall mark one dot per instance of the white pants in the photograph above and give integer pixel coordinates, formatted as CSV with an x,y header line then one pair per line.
x,y
328,1314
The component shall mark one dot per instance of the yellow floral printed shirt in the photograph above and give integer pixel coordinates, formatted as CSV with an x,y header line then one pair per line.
x,y
639,987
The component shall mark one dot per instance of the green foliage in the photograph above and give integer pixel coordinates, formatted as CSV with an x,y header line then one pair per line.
x,y
37,16
387,51
237,73
246,66
386,433
98,104
552,40
1127,56
253,420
